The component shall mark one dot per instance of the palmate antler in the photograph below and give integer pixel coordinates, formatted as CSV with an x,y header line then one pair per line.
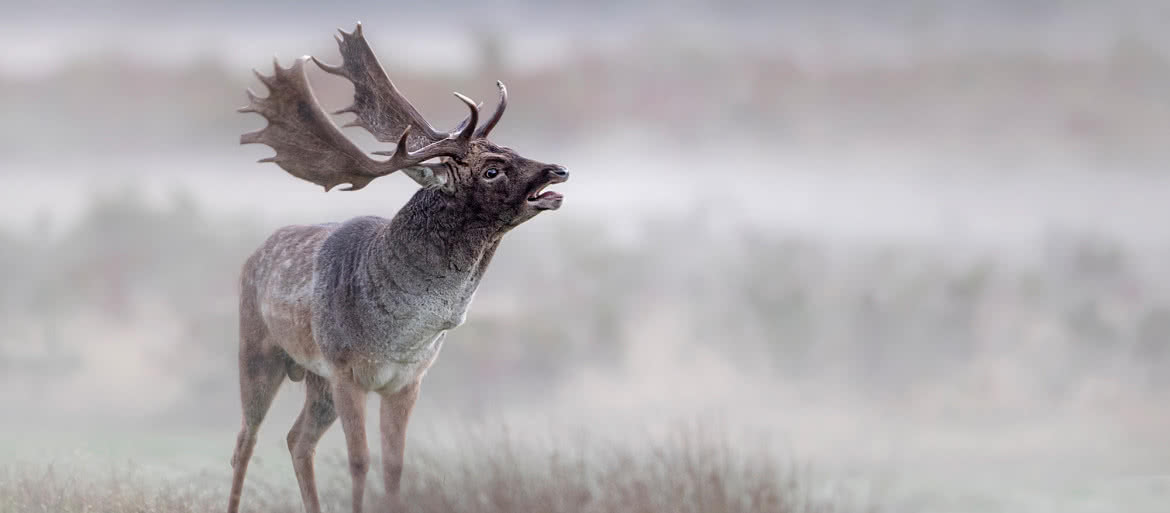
x,y
310,146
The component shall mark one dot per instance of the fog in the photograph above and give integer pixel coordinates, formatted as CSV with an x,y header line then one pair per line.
x,y
918,249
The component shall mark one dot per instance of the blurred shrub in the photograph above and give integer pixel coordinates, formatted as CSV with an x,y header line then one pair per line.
x,y
893,319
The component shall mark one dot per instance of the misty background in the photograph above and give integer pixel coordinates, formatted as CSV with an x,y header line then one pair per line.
x,y
921,246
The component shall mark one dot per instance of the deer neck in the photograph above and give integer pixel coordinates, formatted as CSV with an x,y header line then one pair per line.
x,y
436,238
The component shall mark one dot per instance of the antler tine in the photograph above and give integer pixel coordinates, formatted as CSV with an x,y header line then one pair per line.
x,y
484,130
400,148
452,145
329,68
267,81
252,102
472,120
341,36
402,156
357,31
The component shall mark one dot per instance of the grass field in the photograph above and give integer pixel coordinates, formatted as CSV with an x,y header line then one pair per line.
x,y
538,468
691,470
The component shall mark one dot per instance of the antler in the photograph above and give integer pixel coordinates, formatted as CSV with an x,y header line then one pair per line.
x,y
379,106
310,146
499,113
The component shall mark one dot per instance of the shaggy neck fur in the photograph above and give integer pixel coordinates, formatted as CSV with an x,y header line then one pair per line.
x,y
437,236
385,289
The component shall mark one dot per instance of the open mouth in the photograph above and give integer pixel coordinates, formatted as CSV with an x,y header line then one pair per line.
x,y
545,200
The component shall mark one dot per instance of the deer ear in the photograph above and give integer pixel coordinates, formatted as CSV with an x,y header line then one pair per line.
x,y
428,175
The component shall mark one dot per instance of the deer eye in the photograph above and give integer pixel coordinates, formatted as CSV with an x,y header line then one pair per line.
x,y
491,173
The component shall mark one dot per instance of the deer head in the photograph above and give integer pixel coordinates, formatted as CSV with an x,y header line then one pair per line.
x,y
470,171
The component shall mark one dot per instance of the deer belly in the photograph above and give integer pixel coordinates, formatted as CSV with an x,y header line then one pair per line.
x,y
313,361
289,327
303,350
392,373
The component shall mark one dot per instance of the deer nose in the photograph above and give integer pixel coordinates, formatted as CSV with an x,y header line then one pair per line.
x,y
558,171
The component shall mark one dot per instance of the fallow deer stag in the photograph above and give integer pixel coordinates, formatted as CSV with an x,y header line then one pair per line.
x,y
364,306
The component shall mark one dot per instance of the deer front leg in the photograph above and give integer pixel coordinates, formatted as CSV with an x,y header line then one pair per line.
x,y
350,401
396,407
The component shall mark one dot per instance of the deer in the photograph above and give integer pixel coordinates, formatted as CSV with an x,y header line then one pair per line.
x,y
363,306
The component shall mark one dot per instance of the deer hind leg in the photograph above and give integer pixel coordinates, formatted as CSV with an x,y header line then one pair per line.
x,y
350,401
316,417
261,373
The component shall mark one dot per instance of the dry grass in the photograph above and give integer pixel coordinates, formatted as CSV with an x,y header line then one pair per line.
x,y
690,472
